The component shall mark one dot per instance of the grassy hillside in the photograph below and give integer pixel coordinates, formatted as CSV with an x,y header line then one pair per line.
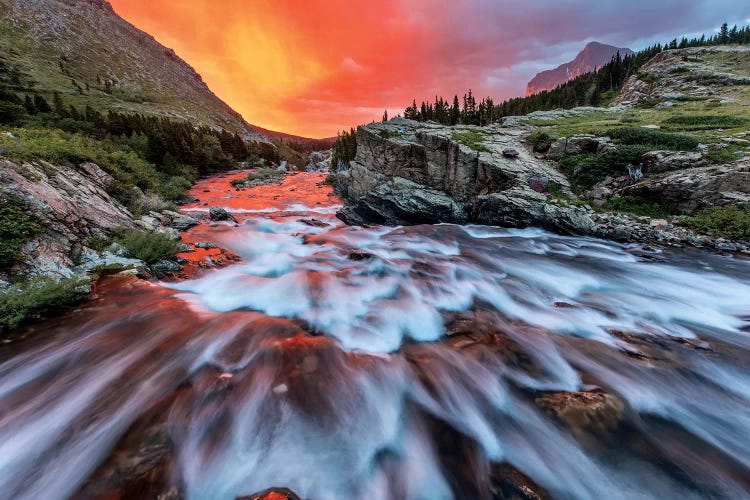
x,y
84,51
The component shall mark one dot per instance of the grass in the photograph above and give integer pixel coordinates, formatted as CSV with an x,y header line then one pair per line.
x,y
731,222
705,122
471,139
655,139
638,206
39,297
148,247
17,226
263,174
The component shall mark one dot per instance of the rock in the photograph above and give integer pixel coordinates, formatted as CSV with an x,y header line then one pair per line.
x,y
360,256
507,482
90,260
180,222
539,184
511,153
282,166
165,267
171,233
692,189
665,161
220,214
117,249
577,145
313,222
272,494
205,246
70,202
319,161
588,411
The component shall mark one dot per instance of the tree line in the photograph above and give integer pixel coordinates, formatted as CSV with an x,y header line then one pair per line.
x,y
590,89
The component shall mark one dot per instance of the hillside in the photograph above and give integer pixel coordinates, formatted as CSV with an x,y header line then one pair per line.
x,y
86,52
593,56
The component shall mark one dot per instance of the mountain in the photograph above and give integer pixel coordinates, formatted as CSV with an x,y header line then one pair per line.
x,y
91,56
593,56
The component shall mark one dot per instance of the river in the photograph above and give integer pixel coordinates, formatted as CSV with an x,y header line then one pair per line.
x,y
422,362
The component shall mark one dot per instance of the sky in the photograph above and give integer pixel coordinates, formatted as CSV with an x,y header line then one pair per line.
x,y
315,67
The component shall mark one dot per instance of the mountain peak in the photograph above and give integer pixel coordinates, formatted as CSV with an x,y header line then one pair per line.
x,y
594,55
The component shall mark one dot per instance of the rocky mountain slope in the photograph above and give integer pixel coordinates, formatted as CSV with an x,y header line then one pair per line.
x,y
593,56
85,51
565,170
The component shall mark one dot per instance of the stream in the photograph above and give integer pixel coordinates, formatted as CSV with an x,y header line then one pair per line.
x,y
422,362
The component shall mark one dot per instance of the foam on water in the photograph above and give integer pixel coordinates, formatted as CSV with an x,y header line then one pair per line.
x,y
380,405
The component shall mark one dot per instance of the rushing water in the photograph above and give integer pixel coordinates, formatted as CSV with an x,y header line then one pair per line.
x,y
378,363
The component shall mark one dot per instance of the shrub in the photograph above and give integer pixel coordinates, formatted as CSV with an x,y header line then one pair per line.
x,y
638,206
540,140
98,242
471,139
705,122
263,174
585,170
148,247
39,297
655,139
727,222
17,226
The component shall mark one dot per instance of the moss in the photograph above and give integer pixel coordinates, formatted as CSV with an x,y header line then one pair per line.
x,y
38,298
471,139
148,247
638,206
727,222
17,226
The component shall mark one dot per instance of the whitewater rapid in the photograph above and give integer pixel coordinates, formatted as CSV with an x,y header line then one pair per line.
x,y
328,360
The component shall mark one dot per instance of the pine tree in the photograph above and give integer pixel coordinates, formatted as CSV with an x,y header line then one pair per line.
x,y
385,116
724,34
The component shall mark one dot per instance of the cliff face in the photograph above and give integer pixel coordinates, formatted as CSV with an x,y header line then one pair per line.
x,y
85,51
593,56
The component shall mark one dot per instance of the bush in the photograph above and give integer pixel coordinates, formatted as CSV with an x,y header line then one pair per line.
x,y
540,140
148,247
705,122
638,206
39,297
263,174
726,222
470,139
585,170
17,226
655,139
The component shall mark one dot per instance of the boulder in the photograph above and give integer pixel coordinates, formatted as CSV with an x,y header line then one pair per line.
x,y
595,412
655,162
220,214
577,145
319,161
180,222
165,267
692,189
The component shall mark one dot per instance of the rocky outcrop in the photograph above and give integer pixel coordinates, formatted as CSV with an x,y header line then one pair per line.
x,y
593,56
319,161
410,172
72,205
578,144
694,188
655,162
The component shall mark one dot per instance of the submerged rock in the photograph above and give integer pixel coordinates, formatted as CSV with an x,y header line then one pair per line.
x,y
589,411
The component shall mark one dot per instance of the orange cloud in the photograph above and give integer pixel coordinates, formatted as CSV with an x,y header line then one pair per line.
x,y
315,67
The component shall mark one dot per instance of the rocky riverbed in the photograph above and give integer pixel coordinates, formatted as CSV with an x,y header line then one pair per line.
x,y
328,361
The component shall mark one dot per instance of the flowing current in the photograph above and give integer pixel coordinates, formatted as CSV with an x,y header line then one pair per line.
x,y
424,362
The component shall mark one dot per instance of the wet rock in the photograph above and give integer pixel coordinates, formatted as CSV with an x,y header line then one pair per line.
x,y
360,256
220,214
187,200
509,483
588,411
272,494
511,153
313,222
180,222
165,267
204,245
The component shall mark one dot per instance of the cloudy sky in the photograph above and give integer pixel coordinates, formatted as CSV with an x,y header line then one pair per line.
x,y
314,67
